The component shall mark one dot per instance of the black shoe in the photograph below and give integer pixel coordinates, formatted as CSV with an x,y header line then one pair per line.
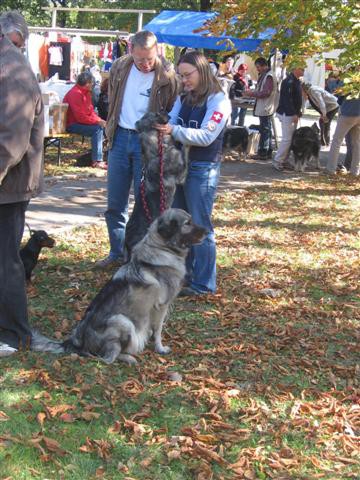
x,y
258,156
188,292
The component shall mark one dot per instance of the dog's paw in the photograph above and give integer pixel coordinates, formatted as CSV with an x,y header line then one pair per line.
x,y
162,350
126,358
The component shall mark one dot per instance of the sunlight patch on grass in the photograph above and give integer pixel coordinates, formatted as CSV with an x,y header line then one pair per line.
x,y
10,397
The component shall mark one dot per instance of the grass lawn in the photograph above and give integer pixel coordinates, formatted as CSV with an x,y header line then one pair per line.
x,y
261,382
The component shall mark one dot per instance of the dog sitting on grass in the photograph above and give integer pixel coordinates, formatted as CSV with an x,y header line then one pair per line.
x,y
29,254
131,308
305,145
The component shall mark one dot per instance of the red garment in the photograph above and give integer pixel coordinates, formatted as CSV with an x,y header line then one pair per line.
x,y
240,76
80,109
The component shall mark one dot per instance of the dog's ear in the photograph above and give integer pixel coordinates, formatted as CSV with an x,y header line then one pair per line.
x,y
167,229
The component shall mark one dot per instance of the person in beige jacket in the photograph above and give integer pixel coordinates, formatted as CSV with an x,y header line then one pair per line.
x,y
21,175
265,98
140,82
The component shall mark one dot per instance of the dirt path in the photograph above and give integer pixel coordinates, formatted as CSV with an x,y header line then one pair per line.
x,y
72,201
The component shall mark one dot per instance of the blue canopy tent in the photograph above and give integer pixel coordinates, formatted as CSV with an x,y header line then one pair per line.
x,y
176,27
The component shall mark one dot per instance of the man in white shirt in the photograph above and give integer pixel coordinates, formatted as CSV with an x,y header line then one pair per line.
x,y
138,83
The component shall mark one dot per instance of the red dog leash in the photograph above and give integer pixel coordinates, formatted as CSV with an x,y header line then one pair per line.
x,y
161,183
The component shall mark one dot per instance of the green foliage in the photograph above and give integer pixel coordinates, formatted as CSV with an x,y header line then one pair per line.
x,y
31,9
304,28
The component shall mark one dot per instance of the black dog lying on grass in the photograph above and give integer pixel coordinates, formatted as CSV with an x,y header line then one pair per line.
x,y
29,254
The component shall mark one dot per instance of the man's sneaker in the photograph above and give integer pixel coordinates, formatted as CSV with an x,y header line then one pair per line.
x,y
278,166
6,350
107,263
101,165
341,170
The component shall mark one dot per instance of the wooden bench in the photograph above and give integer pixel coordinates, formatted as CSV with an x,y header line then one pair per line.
x,y
55,140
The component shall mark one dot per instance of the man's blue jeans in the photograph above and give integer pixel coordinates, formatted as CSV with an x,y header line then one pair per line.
x,y
197,197
265,136
240,114
124,166
97,135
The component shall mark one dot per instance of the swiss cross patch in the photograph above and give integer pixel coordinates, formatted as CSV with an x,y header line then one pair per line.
x,y
217,116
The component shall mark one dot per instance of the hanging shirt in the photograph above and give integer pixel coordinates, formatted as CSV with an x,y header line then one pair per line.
x,y
56,56
136,97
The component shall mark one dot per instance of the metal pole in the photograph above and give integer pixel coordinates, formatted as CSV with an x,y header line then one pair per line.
x,y
140,21
53,20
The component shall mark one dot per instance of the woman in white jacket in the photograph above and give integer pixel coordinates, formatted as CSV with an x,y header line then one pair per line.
x,y
326,104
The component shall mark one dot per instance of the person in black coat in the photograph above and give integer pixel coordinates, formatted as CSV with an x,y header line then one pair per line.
x,y
240,84
103,102
289,112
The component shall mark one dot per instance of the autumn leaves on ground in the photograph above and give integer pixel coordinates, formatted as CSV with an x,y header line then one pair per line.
x,y
261,382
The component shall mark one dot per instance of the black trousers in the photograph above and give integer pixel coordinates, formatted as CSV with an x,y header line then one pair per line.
x,y
14,323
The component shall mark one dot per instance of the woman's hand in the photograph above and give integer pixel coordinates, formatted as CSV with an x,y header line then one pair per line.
x,y
165,129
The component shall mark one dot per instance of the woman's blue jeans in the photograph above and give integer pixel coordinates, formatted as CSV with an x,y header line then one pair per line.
x,y
197,197
97,135
124,166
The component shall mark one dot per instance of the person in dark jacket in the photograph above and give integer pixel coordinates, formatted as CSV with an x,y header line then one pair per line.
x,y
240,84
21,176
103,102
289,112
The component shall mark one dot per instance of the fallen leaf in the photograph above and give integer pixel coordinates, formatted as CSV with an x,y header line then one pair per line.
x,y
3,417
173,454
40,417
89,416
53,446
67,418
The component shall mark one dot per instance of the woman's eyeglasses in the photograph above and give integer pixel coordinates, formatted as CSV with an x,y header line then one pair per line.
x,y
185,76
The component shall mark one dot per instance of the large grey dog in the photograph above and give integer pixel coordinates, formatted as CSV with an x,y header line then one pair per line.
x,y
133,305
174,173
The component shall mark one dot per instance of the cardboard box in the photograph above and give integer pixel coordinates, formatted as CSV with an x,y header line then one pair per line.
x,y
57,118
253,143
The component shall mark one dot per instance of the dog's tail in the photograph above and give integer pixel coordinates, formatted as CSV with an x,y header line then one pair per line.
x,y
40,343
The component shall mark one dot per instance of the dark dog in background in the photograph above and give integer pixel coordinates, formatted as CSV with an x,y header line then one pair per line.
x,y
174,173
133,305
236,138
305,145
29,254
